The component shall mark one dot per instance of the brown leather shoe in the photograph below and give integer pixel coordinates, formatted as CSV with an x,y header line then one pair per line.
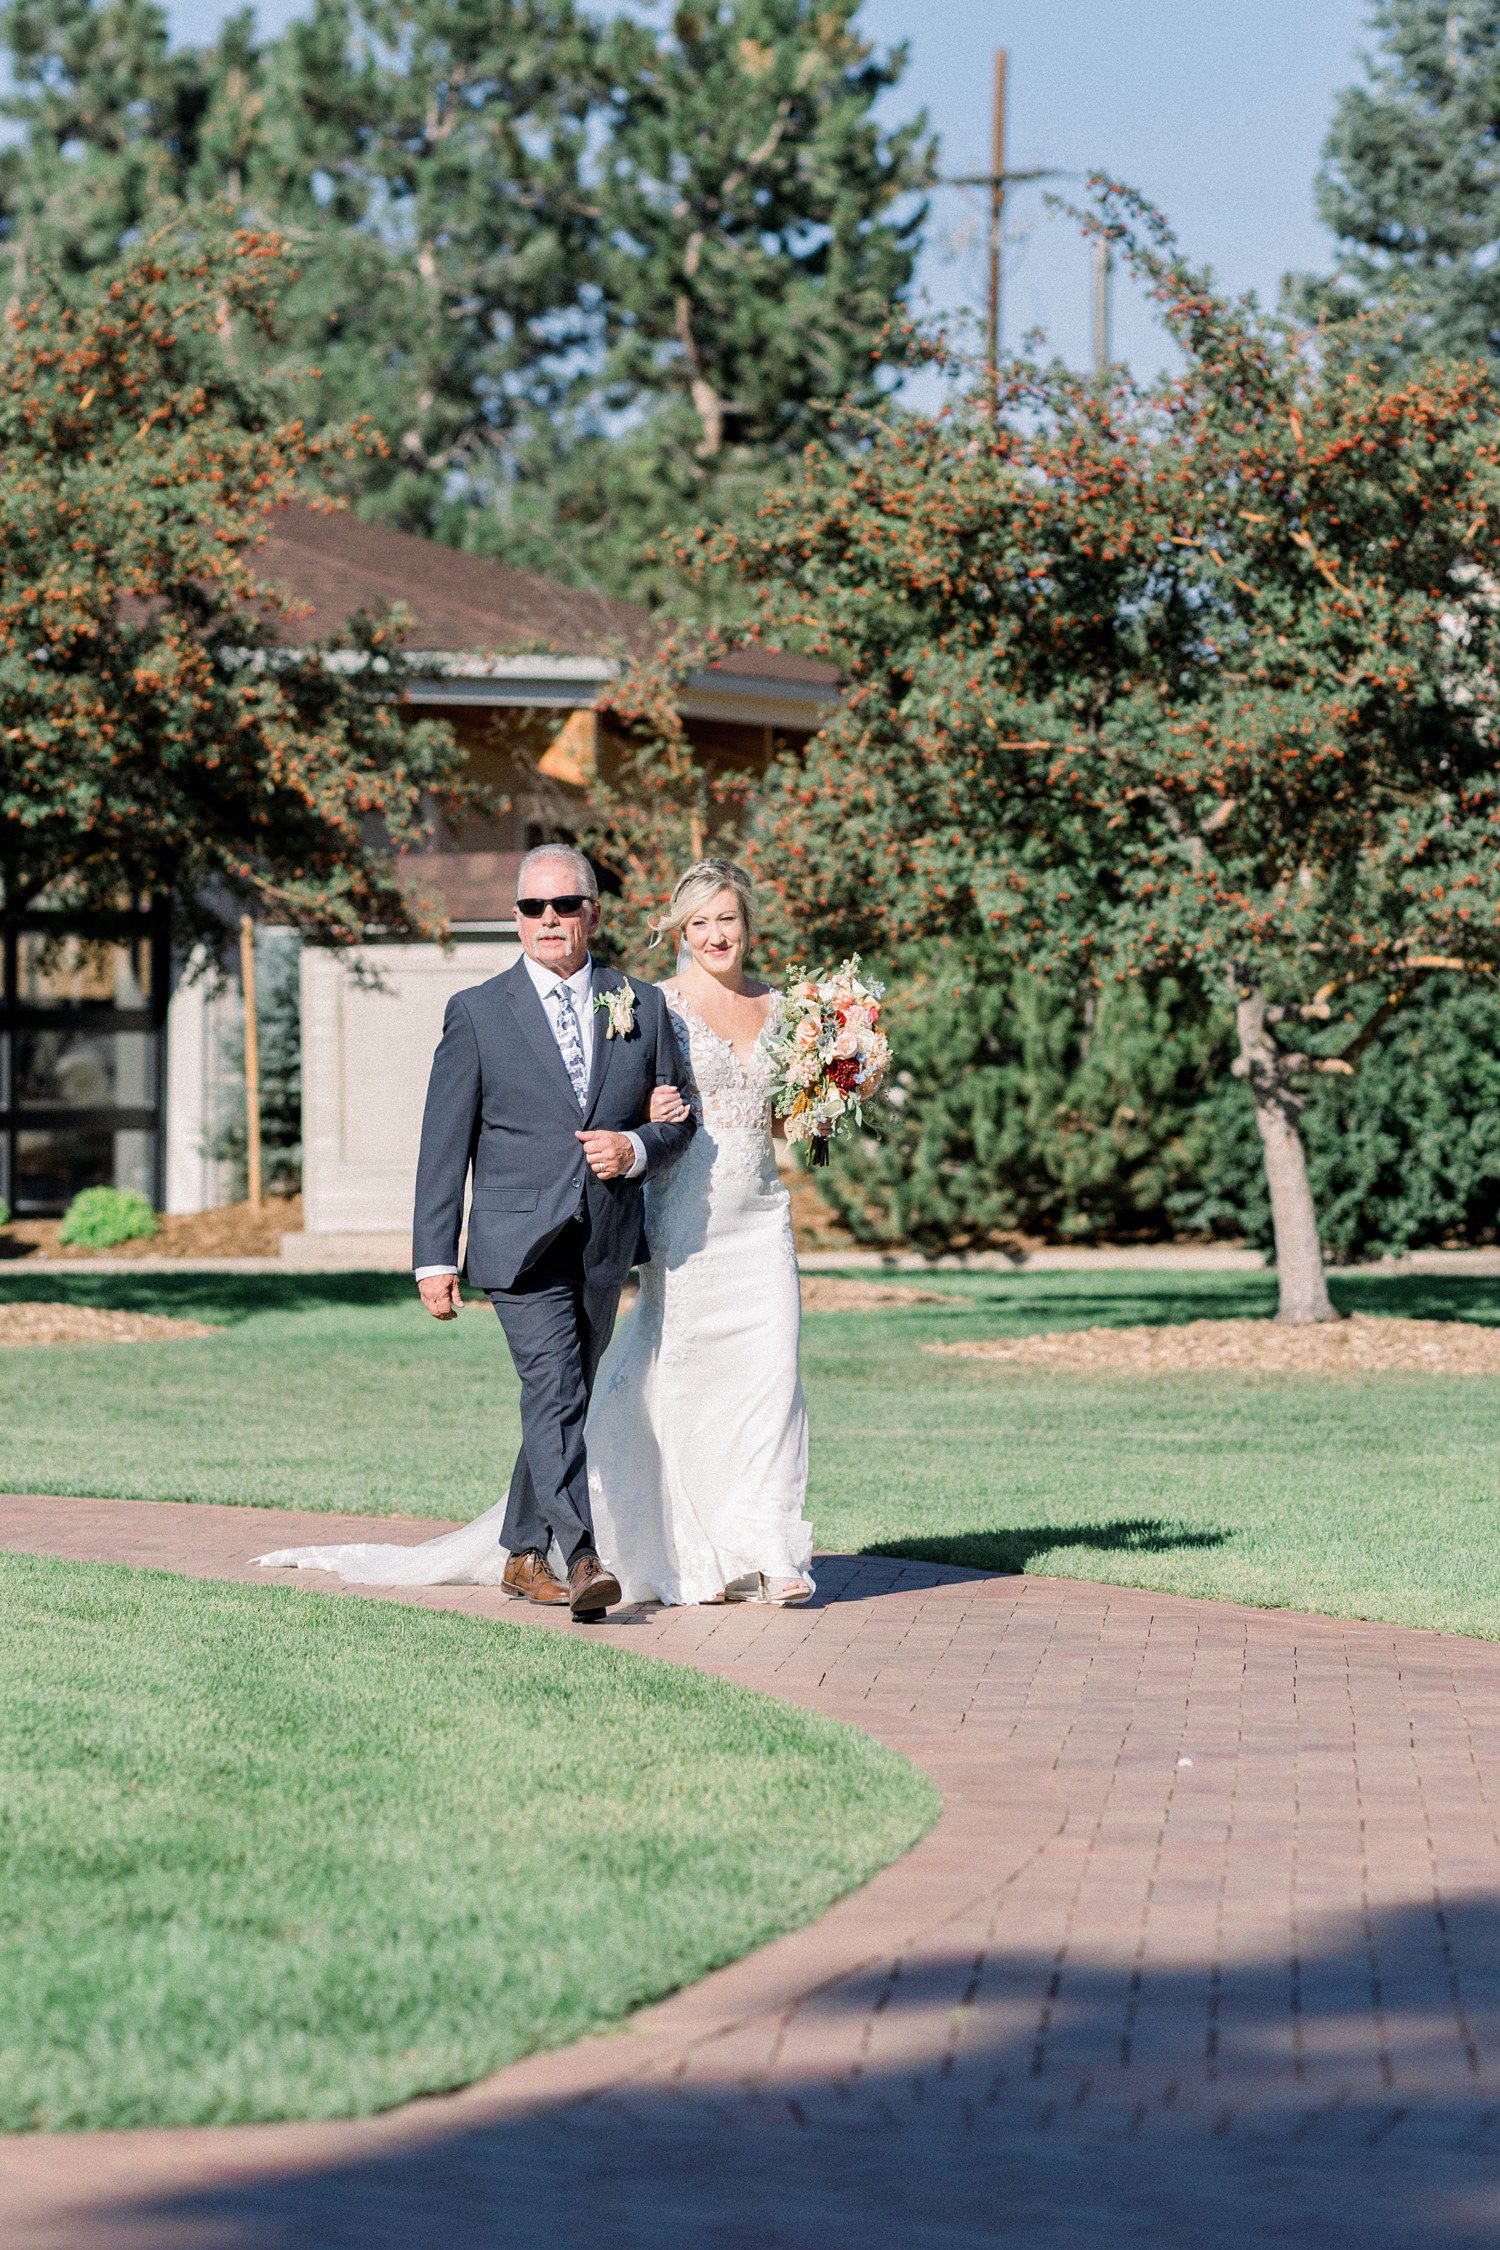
x,y
591,1588
529,1577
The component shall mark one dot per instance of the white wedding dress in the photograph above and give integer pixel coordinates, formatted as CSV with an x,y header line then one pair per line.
x,y
697,1435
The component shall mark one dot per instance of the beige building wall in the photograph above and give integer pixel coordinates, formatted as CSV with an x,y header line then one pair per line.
x,y
370,1024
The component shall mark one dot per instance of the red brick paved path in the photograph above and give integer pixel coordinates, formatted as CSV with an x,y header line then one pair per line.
x,y
1203,1951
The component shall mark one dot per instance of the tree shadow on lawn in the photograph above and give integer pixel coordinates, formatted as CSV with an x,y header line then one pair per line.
x,y
1025,1303
1021,1302
1012,1551
223,1298
1019,2099
1420,1296
1160,1300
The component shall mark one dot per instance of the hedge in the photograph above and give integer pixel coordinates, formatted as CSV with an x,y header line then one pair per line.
x,y
1023,1110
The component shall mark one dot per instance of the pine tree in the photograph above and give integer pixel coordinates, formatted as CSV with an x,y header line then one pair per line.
x,y
759,228
1409,183
425,156
108,118
1021,1105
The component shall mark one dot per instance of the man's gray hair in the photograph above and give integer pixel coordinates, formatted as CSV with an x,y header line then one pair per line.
x,y
570,855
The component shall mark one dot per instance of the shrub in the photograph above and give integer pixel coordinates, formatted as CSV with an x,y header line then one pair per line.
x,y
1018,1110
4,1212
1018,1107
1404,1155
99,1217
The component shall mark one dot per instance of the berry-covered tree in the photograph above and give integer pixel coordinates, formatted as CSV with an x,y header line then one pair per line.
x,y
161,732
1195,679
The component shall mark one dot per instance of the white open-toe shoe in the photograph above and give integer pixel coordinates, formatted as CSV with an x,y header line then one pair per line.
x,y
780,1593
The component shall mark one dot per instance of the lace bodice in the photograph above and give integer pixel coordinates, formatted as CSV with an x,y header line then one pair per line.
x,y
728,1095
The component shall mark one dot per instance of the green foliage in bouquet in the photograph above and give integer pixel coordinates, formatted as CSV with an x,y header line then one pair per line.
x,y
98,1218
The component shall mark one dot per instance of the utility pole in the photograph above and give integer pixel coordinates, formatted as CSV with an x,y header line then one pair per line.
x,y
997,218
252,1063
997,179
1103,263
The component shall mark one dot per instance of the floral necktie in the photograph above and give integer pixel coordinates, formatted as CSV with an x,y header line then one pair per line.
x,y
570,1042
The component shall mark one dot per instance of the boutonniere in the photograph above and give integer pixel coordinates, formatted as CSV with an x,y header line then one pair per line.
x,y
618,1004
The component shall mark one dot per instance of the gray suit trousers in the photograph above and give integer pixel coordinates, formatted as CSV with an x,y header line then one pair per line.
x,y
558,1321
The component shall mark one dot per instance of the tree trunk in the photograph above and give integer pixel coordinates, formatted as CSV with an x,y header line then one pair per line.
x,y
707,404
1301,1283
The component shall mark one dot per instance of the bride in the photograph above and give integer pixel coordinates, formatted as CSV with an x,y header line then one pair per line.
x,y
697,1435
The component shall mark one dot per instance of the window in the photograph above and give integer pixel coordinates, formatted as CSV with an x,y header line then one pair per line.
x,y
82,1039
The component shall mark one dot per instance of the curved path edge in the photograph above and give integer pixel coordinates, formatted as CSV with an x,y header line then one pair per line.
x,y
1205,1939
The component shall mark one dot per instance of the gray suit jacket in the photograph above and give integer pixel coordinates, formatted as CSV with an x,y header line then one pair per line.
x,y
500,1101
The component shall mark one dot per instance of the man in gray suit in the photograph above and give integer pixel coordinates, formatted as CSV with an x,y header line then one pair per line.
x,y
541,1086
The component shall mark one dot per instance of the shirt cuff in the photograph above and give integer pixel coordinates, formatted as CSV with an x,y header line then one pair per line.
x,y
639,1166
421,1272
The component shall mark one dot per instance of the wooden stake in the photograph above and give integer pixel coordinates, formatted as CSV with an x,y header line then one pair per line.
x,y
252,1062
997,216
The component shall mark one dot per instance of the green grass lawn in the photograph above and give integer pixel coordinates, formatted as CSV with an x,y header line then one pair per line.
x,y
1377,1497
264,1854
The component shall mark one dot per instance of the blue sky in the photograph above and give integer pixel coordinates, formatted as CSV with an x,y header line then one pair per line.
x,y
1216,109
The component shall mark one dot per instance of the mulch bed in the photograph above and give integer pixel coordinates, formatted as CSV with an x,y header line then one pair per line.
x,y
232,1231
85,1324
1367,1344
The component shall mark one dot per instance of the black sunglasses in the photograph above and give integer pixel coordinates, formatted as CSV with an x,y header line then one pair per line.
x,y
571,902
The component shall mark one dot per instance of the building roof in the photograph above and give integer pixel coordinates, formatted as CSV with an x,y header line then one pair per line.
x,y
478,614
337,565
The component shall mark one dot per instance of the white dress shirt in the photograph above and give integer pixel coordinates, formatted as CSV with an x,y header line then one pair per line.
x,y
580,986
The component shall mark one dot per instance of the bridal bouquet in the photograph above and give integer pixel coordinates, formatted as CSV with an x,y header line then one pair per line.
x,y
829,1051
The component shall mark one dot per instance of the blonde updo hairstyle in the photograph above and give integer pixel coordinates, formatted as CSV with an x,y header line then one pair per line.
x,y
695,886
